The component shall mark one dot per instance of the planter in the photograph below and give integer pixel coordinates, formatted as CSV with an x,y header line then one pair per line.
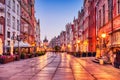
x,y
78,54
94,54
17,57
22,56
30,55
89,54
35,55
40,53
84,54
6,59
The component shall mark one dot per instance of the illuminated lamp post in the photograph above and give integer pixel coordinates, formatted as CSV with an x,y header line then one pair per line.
x,y
78,43
41,47
18,39
103,35
34,45
69,46
98,48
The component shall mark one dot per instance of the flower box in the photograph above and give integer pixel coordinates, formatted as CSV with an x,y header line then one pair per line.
x,y
5,59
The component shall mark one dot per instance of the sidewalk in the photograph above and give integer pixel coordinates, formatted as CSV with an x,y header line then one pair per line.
x,y
99,72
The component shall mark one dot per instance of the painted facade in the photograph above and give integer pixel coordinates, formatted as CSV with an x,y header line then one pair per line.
x,y
2,25
12,22
108,22
63,40
37,34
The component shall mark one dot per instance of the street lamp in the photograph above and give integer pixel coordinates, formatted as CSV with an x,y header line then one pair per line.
x,y
35,46
18,39
69,46
103,35
78,43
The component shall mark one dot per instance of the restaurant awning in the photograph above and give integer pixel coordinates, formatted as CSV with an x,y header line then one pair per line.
x,y
22,44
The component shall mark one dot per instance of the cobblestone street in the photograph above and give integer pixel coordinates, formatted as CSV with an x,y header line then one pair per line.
x,y
57,66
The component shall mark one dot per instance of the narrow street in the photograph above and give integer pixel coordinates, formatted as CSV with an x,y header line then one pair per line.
x,y
57,66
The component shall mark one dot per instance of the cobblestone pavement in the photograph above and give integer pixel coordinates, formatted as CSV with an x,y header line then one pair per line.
x,y
57,66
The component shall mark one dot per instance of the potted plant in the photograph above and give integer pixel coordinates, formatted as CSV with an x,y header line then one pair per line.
x,y
22,56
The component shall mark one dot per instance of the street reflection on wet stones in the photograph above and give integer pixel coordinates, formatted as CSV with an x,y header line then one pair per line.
x,y
60,66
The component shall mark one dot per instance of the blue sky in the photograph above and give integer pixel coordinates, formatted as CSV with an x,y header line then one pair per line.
x,y
55,14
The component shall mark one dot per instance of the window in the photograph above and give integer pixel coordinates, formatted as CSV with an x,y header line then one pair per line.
x,y
17,9
116,38
118,6
8,19
18,25
13,22
25,27
103,14
14,5
8,34
109,9
1,29
9,3
8,43
99,18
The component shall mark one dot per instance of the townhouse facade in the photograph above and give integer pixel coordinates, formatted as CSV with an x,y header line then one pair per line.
x,y
12,22
75,34
17,21
2,25
108,22
69,37
63,40
92,26
37,34
96,27
25,29
32,22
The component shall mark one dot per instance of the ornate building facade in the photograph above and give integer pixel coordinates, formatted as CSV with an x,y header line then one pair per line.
x,y
2,25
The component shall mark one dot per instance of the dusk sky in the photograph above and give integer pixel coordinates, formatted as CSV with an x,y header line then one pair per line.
x,y
55,14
